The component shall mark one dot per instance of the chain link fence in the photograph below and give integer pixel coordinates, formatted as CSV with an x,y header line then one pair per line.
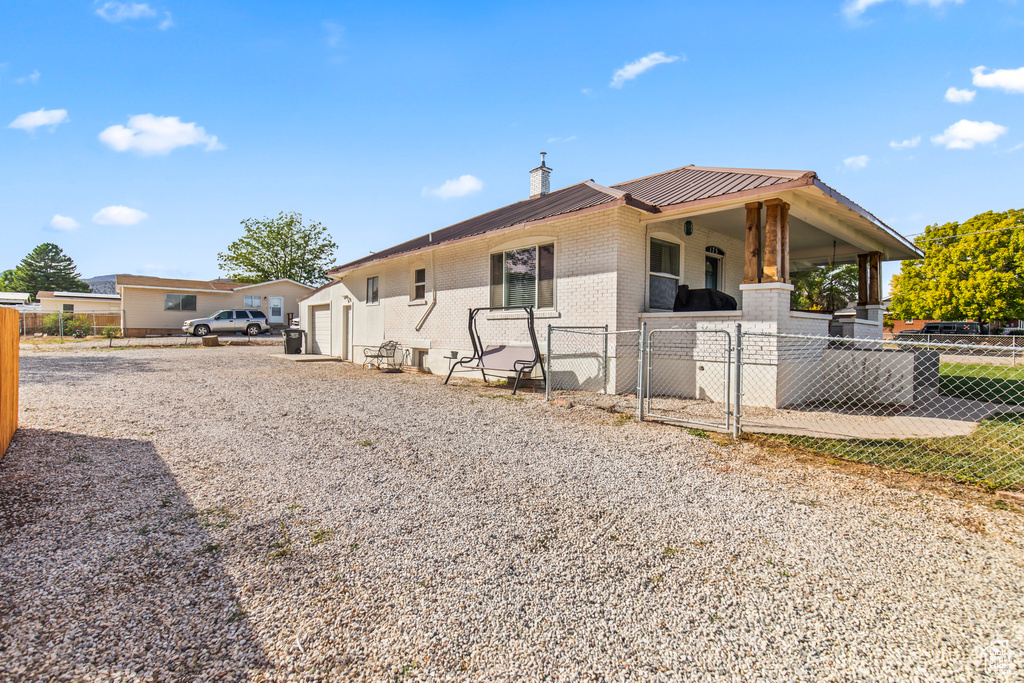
x,y
592,366
66,324
689,377
955,410
949,409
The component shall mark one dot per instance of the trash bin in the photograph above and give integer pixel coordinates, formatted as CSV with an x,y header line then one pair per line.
x,y
293,340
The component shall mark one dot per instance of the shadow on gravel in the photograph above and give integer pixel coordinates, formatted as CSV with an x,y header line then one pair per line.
x,y
106,569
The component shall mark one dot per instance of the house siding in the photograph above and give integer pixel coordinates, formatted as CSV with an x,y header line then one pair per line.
x,y
144,308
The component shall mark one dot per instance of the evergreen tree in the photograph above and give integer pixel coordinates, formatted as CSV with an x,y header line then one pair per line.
x,y
47,268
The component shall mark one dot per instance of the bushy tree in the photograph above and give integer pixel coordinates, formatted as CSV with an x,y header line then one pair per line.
x,y
971,271
47,268
282,247
7,281
825,288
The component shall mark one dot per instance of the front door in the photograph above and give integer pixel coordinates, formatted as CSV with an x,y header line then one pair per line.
x,y
276,309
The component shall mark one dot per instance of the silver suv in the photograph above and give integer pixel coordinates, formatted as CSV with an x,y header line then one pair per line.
x,y
235,320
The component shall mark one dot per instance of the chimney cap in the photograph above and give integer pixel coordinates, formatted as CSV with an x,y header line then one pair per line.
x,y
542,166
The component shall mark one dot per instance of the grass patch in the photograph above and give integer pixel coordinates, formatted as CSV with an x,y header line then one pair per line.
x,y
321,536
218,516
990,457
994,383
622,419
284,546
365,443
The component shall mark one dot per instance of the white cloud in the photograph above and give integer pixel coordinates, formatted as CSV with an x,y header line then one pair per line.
x,y
459,187
32,78
856,163
568,139
634,69
1010,80
148,134
854,8
906,144
59,222
966,134
44,117
167,22
960,96
115,12
119,215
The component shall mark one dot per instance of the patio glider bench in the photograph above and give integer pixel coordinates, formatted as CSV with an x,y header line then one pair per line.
x,y
495,358
383,355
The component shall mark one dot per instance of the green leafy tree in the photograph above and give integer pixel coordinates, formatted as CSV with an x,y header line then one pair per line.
x,y
825,288
47,268
282,247
971,271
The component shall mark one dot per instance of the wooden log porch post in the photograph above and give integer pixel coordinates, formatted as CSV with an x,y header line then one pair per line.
x,y
875,278
776,242
862,279
752,257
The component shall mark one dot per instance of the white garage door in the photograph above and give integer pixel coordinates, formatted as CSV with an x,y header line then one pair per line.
x,y
321,332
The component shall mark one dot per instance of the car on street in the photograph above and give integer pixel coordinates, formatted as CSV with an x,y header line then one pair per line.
x,y
246,321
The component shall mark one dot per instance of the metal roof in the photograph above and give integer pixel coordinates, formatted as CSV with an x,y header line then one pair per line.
x,y
573,198
690,183
174,283
650,193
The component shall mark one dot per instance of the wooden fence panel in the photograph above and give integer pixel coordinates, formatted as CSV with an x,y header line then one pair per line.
x,y
9,339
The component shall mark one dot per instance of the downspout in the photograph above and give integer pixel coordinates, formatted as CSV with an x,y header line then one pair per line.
x,y
433,293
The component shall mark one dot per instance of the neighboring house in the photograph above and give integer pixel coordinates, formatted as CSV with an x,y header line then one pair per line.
x,y
13,299
78,302
159,306
594,255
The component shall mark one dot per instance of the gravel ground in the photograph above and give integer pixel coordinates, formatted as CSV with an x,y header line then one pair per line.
x,y
218,514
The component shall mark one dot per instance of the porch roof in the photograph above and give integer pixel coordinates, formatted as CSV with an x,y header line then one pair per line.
x,y
670,192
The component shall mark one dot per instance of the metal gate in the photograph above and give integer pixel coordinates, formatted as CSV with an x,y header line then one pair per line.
x,y
687,376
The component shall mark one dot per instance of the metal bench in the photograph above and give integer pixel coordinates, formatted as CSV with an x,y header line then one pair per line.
x,y
381,356
519,359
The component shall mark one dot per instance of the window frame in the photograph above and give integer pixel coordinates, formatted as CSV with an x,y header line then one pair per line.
x,y
376,290
536,245
670,240
181,298
415,284
247,300
67,308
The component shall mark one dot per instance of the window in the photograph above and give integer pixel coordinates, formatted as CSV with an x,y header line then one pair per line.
x,y
713,258
524,277
223,315
69,308
259,315
419,284
372,295
241,315
664,274
252,301
179,302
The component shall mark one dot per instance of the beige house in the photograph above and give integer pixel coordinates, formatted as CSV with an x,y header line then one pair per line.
x,y
78,302
592,255
156,305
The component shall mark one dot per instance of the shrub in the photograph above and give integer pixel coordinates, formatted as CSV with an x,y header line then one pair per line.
x,y
111,332
74,325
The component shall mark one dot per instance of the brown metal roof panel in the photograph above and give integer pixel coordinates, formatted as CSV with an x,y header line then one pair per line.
x,y
562,201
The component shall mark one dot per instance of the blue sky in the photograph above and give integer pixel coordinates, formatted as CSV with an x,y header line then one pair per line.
x,y
139,135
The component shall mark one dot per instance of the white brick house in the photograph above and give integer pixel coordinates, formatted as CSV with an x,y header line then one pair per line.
x,y
594,255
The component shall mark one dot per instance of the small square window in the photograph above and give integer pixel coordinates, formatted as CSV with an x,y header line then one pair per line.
x,y
419,284
252,301
372,294
69,308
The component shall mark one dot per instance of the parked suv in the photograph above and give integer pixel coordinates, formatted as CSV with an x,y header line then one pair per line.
x,y
235,320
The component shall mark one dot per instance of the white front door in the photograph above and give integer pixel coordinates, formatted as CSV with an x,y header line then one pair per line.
x,y
276,309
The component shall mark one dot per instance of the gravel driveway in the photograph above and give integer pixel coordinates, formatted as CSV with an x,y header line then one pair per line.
x,y
219,514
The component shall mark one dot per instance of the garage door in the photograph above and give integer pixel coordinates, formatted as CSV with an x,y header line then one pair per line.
x,y
321,333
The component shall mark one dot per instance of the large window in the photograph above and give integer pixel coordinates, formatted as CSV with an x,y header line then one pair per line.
x,y
372,295
179,302
524,277
664,274
419,284
252,301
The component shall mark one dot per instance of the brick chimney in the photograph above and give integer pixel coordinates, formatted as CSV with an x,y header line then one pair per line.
x,y
540,179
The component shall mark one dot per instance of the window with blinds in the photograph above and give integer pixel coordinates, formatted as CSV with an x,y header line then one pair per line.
x,y
524,277
663,274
